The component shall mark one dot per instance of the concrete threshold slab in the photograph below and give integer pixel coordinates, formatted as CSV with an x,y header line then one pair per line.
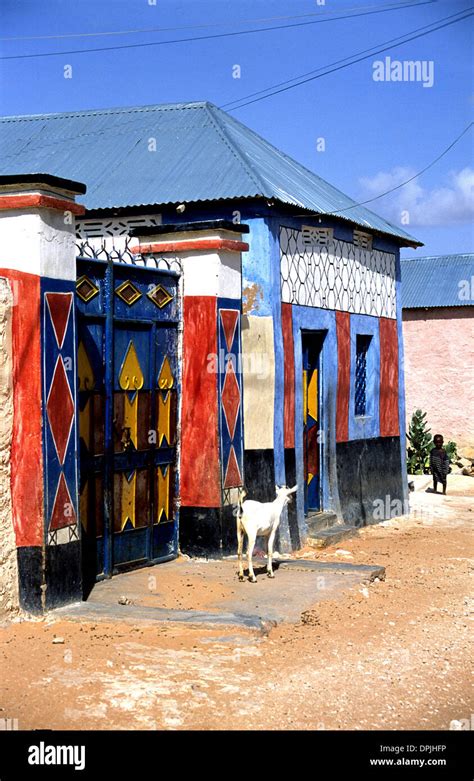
x,y
299,584
137,613
368,571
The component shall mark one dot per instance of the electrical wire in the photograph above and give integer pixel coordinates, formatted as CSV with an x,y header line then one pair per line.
x,y
411,179
261,20
399,38
348,64
191,40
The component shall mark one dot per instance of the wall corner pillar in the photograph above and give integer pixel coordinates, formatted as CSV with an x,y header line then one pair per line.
x,y
211,448
37,263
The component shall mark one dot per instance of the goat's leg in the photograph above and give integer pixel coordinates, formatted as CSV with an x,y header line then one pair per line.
x,y
240,545
251,546
271,541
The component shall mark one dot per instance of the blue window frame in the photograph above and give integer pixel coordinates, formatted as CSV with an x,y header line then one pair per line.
x,y
360,395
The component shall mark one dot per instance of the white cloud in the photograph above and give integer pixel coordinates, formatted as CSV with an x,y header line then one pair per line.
x,y
449,204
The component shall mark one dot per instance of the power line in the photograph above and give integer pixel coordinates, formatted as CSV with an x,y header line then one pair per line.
x,y
415,176
336,62
390,7
398,186
202,37
144,108
353,62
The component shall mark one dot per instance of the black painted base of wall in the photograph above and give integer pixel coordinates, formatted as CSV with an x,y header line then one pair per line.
x,y
212,531
229,530
290,472
63,582
259,471
30,578
369,471
208,531
200,531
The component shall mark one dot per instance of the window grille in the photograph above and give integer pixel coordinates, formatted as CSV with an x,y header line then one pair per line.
x,y
362,347
363,240
316,236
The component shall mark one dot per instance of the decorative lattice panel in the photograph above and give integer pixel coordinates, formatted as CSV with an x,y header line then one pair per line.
x,y
337,276
118,250
107,227
108,239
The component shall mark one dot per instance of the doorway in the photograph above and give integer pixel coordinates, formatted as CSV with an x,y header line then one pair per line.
x,y
127,319
312,342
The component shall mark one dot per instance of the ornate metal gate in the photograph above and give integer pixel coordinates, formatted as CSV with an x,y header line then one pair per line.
x,y
128,319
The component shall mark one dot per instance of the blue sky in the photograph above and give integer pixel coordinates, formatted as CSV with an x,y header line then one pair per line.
x,y
376,133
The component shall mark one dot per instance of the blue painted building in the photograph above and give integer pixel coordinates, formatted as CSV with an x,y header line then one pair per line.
x,y
320,386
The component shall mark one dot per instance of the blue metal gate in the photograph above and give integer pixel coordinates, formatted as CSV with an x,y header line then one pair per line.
x,y
128,399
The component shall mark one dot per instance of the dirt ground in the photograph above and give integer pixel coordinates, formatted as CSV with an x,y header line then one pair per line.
x,y
392,654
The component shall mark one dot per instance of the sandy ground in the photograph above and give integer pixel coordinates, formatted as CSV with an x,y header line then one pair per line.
x,y
392,654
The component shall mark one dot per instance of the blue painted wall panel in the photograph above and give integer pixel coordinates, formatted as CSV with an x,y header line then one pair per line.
x,y
369,425
312,319
278,423
52,355
257,271
233,354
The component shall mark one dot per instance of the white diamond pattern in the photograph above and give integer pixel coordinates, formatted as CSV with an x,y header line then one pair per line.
x,y
337,276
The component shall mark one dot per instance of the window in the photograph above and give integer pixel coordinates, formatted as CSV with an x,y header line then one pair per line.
x,y
313,237
362,347
363,240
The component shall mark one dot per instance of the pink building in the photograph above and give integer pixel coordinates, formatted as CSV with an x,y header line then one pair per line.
x,y
438,333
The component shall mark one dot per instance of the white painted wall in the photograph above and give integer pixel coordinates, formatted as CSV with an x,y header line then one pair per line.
x,y
212,274
38,241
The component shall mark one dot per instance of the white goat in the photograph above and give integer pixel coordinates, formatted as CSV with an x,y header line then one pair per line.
x,y
260,519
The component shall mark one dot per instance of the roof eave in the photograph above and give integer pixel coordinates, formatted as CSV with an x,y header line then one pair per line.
x,y
107,210
402,241
457,305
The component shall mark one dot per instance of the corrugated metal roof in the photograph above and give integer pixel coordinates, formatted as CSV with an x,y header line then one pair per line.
x,y
437,281
202,154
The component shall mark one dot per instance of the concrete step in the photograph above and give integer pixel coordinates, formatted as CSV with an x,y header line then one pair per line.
x,y
331,536
320,521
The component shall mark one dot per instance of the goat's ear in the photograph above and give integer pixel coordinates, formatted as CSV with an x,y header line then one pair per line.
x,y
292,490
277,487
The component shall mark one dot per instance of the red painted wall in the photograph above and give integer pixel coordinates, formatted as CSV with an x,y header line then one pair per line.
x,y
389,423
289,375
26,452
200,475
343,331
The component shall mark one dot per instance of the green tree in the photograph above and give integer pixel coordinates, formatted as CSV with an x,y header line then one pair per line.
x,y
452,451
420,443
